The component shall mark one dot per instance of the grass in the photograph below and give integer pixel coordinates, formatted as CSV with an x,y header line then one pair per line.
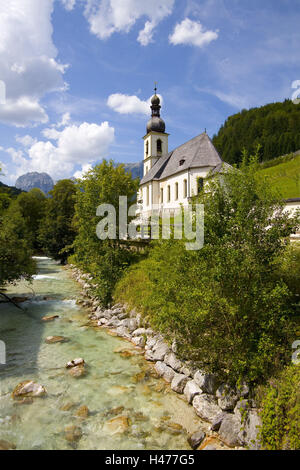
x,y
284,177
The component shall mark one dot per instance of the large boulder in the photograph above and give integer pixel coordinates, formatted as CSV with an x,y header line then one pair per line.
x,y
196,439
139,341
164,371
179,382
206,407
172,361
229,431
227,397
217,421
191,390
28,389
158,352
251,427
207,382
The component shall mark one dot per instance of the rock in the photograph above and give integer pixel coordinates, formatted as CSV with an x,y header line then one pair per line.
x,y
227,397
123,332
217,421
139,341
206,407
116,411
28,389
172,361
141,331
159,350
67,406
77,371
241,409
196,439
164,371
116,425
179,382
230,429
207,382
249,435
174,346
5,445
19,300
73,433
186,371
191,390
102,322
151,341
210,447
76,362
55,339
83,412
243,390
50,318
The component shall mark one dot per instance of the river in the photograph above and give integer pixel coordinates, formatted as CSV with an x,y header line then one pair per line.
x,y
156,417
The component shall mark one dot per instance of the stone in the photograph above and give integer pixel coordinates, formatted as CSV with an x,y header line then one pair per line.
x,y
230,429
196,439
55,339
139,341
186,371
141,331
28,389
83,412
206,407
172,361
159,350
77,371
5,445
116,425
191,390
102,322
217,421
227,397
116,411
243,390
75,362
73,433
251,429
19,300
207,382
164,371
179,382
241,409
123,332
50,318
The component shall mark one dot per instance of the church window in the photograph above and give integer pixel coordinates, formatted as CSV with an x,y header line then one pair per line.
x,y
148,196
162,195
147,147
176,191
185,188
169,193
159,146
200,183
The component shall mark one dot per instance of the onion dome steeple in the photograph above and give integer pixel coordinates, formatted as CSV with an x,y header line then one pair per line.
x,y
156,124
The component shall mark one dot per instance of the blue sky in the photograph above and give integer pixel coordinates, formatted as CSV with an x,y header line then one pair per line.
x,y
79,74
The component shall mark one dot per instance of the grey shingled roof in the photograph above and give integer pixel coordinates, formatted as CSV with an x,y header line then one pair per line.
x,y
198,152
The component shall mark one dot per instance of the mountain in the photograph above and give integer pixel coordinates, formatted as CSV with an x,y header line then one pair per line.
x,y
35,180
275,126
136,169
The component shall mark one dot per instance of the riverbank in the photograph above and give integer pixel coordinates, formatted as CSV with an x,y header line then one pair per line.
x,y
231,414
119,403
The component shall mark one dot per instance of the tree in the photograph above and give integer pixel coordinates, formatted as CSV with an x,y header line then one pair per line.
x,y
106,260
57,231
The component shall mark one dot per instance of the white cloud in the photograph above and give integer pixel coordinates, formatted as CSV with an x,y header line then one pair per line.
x,y
75,145
22,112
129,104
110,16
26,140
83,171
69,4
192,33
28,64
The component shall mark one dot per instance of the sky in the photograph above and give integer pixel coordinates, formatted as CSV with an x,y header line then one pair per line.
x,y
76,76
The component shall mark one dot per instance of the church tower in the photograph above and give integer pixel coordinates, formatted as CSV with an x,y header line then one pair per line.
x,y
156,139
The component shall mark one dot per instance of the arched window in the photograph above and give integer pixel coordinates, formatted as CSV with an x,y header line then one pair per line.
x,y
169,193
159,146
148,196
162,195
147,147
176,191
185,188
200,184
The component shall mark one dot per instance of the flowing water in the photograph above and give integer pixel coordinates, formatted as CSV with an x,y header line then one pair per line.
x,y
112,381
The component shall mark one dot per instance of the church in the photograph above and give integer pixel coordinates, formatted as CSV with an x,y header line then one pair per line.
x,y
170,179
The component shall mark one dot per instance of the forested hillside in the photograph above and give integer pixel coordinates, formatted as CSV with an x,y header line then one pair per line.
x,y
275,126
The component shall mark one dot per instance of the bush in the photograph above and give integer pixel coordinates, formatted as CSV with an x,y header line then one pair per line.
x,y
281,411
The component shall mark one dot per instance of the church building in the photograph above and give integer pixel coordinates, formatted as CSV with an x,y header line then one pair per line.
x,y
172,178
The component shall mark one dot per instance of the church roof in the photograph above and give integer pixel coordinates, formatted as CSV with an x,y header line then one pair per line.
x,y
198,152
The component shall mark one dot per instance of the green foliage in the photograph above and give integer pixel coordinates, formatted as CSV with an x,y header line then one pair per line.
x,y
283,176
15,250
281,411
57,231
32,208
275,126
105,260
225,304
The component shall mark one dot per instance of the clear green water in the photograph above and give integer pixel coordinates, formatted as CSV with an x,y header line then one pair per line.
x,y
110,381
